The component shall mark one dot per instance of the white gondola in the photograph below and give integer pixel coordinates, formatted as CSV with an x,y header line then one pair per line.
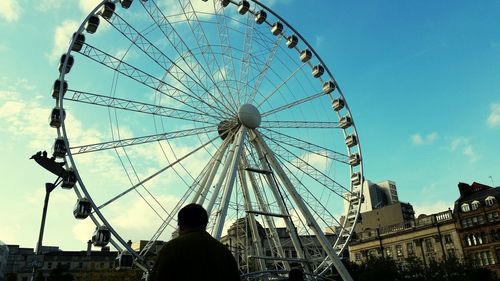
x,y
56,88
79,41
318,70
69,180
277,28
82,209
351,140
101,236
338,104
124,260
260,17
92,24
56,117
224,3
107,10
291,41
243,7
356,178
71,61
354,159
59,148
305,55
126,3
328,87
345,122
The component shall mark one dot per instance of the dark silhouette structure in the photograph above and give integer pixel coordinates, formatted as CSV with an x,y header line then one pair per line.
x,y
194,255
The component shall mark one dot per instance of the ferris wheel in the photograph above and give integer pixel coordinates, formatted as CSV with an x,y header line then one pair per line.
x,y
163,103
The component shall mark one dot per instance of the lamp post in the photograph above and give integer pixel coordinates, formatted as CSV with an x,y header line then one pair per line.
x,y
48,189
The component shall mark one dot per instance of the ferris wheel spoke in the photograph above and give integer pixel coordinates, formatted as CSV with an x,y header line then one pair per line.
x,y
306,146
140,140
292,104
281,84
311,171
147,108
265,67
144,78
300,124
152,176
159,57
180,46
246,57
226,48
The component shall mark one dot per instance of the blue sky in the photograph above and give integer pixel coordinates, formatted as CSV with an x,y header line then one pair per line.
x,y
421,78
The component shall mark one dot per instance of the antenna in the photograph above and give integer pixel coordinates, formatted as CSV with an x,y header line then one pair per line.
x,y
492,183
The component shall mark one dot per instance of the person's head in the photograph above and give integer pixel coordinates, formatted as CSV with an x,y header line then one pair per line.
x,y
295,274
192,217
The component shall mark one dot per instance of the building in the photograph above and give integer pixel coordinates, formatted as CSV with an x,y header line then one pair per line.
x,y
392,214
377,195
478,223
430,238
4,253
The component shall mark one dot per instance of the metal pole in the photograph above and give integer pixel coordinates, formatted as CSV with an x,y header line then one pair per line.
x,y
48,188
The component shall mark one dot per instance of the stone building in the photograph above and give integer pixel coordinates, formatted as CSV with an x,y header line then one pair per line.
x,y
478,223
429,238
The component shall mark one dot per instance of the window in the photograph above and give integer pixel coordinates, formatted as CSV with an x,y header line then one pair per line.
x,y
357,256
489,201
448,239
492,216
475,205
450,252
409,249
399,250
388,252
465,207
49,265
428,245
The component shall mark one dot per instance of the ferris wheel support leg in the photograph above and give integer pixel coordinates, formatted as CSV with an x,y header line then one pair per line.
x,y
213,172
251,217
311,222
270,222
274,189
228,188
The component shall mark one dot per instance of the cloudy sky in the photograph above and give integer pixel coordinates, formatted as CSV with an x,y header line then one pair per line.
x,y
422,79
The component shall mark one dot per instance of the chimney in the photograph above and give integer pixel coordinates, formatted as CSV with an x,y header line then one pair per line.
x,y
89,247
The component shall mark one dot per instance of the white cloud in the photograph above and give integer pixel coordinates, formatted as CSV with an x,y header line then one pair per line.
x,y
494,118
10,10
62,38
418,139
88,5
429,207
45,5
83,230
464,146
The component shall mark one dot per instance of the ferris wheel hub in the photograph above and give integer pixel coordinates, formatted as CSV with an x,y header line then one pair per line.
x,y
249,116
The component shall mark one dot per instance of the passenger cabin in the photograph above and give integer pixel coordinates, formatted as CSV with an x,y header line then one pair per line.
x,y
79,40
338,104
126,3
69,180
101,236
59,148
305,56
243,7
292,41
92,24
277,28
224,3
260,17
318,70
69,64
328,87
57,87
354,159
351,140
356,178
82,209
107,10
124,260
56,117
345,122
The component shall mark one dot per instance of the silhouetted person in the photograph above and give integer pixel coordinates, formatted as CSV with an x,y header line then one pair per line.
x,y
194,255
295,274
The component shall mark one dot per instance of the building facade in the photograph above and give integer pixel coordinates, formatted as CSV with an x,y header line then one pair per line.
x,y
478,222
429,238
4,253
